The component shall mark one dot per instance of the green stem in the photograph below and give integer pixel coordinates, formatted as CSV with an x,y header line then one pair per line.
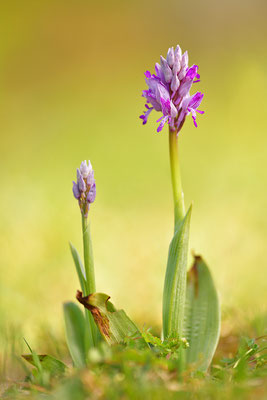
x,y
90,278
178,196
88,257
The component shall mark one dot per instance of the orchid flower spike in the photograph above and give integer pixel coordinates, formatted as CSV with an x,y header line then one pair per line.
x,y
84,190
168,91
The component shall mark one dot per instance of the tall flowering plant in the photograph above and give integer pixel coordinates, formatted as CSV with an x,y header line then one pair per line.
x,y
190,300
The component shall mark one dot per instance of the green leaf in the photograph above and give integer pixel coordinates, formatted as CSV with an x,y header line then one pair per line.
x,y
93,338
202,316
79,268
46,363
175,280
90,338
114,325
75,333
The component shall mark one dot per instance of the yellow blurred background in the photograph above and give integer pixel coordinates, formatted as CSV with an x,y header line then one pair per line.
x,y
72,73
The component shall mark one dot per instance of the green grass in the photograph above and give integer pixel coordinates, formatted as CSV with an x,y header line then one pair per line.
x,y
55,113
238,371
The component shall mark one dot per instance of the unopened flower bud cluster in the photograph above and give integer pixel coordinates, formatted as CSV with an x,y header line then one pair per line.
x,y
84,189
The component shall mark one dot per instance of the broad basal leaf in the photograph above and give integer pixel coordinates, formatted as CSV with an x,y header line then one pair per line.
x,y
114,325
175,280
202,316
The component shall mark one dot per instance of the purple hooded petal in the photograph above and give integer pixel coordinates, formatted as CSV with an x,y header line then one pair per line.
x,y
81,185
175,83
90,179
85,169
76,191
182,73
80,181
162,93
91,194
184,60
177,60
196,99
166,69
154,103
178,53
152,83
185,88
79,175
194,104
192,72
170,57
173,111
151,98
159,72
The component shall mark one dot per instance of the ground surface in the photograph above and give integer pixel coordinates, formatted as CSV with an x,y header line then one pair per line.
x,y
239,371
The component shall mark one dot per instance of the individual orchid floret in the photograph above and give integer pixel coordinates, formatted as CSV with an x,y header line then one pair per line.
x,y
84,190
168,90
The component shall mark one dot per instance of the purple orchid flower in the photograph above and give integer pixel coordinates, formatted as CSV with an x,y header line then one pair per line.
x,y
84,190
168,91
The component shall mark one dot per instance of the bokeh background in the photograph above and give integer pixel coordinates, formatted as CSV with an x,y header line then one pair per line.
x,y
72,73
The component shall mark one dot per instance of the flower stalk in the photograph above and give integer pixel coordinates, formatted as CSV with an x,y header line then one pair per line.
x,y
174,293
90,278
88,256
178,195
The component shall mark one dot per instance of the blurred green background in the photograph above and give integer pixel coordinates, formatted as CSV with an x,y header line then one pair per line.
x,y
72,73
